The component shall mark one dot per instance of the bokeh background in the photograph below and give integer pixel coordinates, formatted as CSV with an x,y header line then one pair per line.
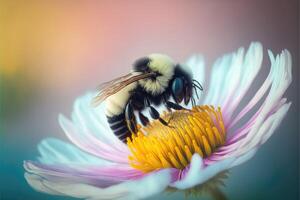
x,y
53,51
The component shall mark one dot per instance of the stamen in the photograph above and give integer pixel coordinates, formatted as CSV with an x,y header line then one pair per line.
x,y
200,130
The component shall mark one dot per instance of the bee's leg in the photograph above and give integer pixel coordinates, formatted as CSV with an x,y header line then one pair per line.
x,y
155,115
130,118
144,120
175,106
165,100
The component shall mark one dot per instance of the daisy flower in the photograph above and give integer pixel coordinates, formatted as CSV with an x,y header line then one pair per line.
x,y
218,133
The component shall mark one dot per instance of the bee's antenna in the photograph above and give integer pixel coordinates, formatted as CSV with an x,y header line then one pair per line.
x,y
199,85
193,102
195,88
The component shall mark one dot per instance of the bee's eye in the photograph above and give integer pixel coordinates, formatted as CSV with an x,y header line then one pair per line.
x,y
177,86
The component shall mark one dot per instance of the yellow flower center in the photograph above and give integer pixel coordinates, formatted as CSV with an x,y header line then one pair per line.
x,y
157,146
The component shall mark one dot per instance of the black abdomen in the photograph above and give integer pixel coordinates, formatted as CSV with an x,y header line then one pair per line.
x,y
119,126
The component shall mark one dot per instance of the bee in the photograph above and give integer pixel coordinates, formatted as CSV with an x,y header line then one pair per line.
x,y
153,81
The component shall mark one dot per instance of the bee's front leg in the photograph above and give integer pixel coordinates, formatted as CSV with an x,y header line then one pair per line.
x,y
175,106
154,113
165,100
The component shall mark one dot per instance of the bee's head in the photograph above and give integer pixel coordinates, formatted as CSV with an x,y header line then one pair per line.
x,y
163,68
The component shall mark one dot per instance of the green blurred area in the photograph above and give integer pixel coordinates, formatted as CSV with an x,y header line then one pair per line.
x,y
16,93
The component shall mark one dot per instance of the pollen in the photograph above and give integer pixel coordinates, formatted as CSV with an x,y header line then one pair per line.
x,y
156,146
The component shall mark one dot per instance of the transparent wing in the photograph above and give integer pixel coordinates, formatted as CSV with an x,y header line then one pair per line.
x,y
111,87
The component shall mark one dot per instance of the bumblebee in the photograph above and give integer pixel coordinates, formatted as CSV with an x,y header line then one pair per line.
x,y
153,81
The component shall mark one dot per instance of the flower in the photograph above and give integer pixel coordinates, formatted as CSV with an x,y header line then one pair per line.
x,y
220,132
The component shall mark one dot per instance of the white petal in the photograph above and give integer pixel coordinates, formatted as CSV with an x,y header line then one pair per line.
x,y
92,121
232,76
278,118
264,131
91,145
137,189
36,183
54,151
263,123
243,158
280,83
250,67
197,67
221,77
259,94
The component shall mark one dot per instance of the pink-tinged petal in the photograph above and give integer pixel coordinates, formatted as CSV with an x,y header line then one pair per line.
x,y
265,131
259,94
198,172
135,189
261,125
242,158
83,173
55,151
94,147
67,174
262,134
249,69
237,161
231,77
241,132
235,142
281,82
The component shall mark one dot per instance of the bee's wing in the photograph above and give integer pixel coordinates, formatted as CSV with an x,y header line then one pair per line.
x,y
111,87
108,83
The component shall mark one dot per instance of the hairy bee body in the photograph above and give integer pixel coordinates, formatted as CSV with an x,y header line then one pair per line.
x,y
115,111
154,80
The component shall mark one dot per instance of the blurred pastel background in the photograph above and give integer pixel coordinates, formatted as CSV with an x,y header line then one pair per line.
x,y
53,51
